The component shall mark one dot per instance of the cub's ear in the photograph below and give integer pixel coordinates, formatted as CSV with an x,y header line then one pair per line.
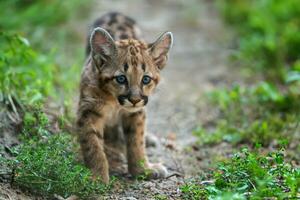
x,y
103,47
160,48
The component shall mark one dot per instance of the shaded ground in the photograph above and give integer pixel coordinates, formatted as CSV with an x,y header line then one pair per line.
x,y
197,64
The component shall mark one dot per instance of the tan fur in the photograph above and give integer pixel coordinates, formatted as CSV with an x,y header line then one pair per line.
x,y
102,117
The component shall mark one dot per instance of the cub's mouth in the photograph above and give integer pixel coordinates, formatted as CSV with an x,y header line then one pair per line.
x,y
132,103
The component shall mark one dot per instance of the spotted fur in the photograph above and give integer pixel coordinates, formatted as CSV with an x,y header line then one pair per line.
x,y
111,110
119,26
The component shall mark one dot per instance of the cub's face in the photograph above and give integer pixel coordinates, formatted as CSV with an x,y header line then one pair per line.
x,y
129,69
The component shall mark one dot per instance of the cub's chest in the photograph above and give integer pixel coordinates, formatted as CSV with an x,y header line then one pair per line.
x,y
112,114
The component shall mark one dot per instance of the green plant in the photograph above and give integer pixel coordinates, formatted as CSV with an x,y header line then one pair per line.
x,y
24,74
249,175
270,33
258,114
192,190
45,66
45,163
263,176
19,14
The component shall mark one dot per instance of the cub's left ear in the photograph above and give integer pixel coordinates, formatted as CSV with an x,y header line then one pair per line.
x,y
160,48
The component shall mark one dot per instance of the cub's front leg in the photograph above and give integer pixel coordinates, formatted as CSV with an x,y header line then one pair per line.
x,y
90,125
134,130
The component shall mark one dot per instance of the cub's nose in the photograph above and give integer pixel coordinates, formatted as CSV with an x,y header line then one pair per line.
x,y
134,100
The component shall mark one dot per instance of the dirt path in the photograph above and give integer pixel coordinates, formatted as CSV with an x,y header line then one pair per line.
x,y
196,65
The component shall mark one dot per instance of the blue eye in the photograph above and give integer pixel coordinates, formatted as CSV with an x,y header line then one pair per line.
x,y
121,79
146,79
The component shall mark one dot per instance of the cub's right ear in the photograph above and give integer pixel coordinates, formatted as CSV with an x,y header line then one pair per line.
x,y
103,47
160,48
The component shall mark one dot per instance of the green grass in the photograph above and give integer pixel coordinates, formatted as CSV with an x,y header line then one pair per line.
x,y
46,163
160,197
19,14
257,114
24,73
269,33
193,190
249,175
41,49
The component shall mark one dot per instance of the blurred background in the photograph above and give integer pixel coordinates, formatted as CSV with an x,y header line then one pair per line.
x,y
232,82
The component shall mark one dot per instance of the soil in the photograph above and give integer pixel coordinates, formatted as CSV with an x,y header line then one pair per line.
x,y
197,64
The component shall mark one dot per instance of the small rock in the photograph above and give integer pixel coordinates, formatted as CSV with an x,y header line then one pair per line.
x,y
149,185
128,198
151,140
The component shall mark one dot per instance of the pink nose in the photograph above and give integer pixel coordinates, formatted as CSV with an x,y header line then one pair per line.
x,y
134,100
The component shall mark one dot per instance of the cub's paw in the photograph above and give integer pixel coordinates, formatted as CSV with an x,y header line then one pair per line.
x,y
156,171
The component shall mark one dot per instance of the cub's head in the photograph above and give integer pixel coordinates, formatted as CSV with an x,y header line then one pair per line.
x,y
129,69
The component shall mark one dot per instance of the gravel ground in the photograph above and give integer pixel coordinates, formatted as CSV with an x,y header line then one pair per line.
x,y
197,64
